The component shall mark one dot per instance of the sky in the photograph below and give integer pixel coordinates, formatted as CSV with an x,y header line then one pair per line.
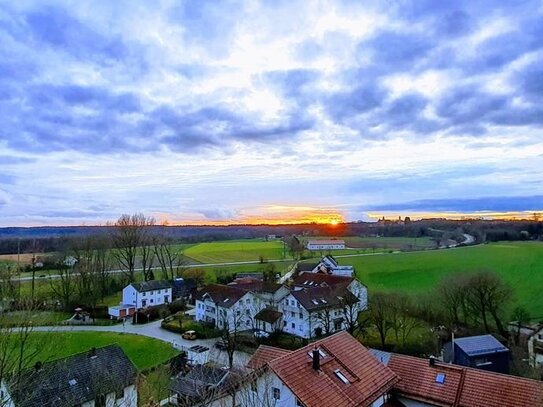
x,y
247,111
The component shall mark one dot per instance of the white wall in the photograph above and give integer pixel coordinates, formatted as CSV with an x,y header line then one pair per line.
x,y
325,246
147,298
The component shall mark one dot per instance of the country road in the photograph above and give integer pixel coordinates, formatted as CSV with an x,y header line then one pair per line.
x,y
469,239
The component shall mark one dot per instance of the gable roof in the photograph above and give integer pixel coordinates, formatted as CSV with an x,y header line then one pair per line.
x,y
306,266
317,279
75,380
462,386
222,295
324,297
151,285
480,345
367,378
268,315
265,354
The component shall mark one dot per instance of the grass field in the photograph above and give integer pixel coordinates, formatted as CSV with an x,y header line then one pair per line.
x,y
235,250
519,263
144,352
38,318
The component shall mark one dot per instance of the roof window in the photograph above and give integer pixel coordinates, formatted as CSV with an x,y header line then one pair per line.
x,y
341,376
440,378
226,300
72,382
314,301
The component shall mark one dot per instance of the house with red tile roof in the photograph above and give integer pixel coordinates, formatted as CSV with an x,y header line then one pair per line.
x,y
339,371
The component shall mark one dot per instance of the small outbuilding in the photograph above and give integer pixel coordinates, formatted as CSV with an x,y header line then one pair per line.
x,y
481,352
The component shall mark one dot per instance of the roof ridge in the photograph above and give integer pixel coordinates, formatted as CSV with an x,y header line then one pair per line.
x,y
112,345
460,388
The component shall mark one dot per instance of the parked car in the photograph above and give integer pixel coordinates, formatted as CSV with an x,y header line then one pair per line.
x,y
190,335
222,345
261,334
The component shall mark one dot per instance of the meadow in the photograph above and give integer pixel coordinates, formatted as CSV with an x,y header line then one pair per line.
x,y
518,263
143,352
235,250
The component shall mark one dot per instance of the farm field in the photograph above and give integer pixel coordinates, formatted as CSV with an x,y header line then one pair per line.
x,y
519,263
144,352
235,250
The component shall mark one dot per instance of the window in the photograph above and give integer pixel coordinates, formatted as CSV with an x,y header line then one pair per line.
x,y
151,301
293,325
247,301
144,294
293,303
158,292
248,312
284,323
238,312
301,315
276,393
341,376
292,314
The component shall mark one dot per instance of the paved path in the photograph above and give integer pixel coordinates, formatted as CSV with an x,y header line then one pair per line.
x,y
153,330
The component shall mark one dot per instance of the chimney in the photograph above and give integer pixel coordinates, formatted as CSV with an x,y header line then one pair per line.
x,y
432,361
316,359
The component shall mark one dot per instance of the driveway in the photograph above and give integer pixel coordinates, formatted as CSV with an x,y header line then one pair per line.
x,y
153,330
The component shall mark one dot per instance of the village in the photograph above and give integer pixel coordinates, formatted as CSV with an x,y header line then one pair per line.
x,y
266,339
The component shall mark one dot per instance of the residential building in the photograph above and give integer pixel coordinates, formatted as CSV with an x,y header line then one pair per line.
x,y
316,304
140,295
339,371
204,385
321,244
227,306
99,377
327,265
335,371
482,352
535,347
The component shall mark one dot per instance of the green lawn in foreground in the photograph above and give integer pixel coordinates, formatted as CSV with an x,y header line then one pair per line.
x,y
144,352
235,250
519,263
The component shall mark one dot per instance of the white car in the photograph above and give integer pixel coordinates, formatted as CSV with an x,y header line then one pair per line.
x,y
261,334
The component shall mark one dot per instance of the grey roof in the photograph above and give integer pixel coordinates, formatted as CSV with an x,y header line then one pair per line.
x,y
203,381
306,266
480,345
324,297
222,295
151,285
380,355
74,380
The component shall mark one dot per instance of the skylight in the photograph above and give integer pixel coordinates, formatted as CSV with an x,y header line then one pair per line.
x,y
321,353
314,301
226,300
324,301
72,382
440,378
341,376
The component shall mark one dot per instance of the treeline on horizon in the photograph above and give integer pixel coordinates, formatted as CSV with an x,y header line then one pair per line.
x,y
50,238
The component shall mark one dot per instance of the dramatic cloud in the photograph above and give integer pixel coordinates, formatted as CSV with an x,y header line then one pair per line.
x,y
217,110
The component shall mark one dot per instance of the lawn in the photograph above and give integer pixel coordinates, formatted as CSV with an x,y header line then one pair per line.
x,y
519,263
38,318
144,352
235,250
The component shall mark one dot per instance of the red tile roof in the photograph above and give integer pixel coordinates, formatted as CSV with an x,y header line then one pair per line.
x,y
368,379
462,387
318,279
222,295
265,354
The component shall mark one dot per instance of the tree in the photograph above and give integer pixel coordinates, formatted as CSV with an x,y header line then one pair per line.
x,y
295,247
169,258
234,320
488,296
520,316
323,318
402,318
379,315
269,272
453,295
65,285
196,274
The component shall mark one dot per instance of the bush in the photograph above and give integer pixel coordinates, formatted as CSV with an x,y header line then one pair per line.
x,y
177,306
203,331
150,314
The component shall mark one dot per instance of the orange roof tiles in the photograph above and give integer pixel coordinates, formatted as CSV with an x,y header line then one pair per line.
x,y
265,354
463,387
368,379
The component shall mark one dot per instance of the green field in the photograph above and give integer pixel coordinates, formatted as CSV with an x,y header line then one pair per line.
x,y
235,250
144,352
519,263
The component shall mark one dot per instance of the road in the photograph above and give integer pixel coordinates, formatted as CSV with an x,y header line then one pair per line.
x,y
469,240
153,330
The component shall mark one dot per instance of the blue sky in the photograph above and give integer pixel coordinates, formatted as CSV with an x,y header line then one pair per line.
x,y
207,111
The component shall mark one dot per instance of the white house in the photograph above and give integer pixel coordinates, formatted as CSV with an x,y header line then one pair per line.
x,y
99,377
535,347
140,295
223,305
332,244
327,265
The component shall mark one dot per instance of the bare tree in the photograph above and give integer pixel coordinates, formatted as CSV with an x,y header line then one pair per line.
x,y
128,234
453,295
169,258
379,315
402,318
324,319
520,316
65,285
488,296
